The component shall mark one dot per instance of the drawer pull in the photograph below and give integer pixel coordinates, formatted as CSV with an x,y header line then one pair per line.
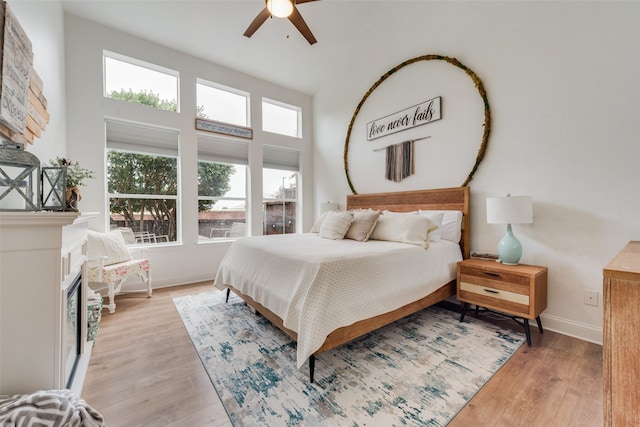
x,y
489,273
491,291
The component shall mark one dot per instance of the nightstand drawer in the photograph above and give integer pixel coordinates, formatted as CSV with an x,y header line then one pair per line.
x,y
493,279
500,294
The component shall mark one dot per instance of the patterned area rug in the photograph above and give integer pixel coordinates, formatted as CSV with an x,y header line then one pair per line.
x,y
418,371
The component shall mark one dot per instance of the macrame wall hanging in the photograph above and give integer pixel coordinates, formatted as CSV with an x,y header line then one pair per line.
x,y
399,161
400,158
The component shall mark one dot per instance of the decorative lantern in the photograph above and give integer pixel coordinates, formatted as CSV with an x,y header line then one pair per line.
x,y
54,188
19,178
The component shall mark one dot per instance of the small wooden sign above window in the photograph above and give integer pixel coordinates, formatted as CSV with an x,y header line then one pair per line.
x,y
411,117
223,128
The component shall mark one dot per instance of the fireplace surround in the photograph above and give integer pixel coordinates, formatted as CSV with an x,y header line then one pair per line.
x,y
42,259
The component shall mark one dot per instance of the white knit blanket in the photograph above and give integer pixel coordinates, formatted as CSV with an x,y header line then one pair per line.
x,y
317,285
50,408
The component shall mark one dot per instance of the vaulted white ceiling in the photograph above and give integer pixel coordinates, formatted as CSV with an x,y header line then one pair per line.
x,y
277,52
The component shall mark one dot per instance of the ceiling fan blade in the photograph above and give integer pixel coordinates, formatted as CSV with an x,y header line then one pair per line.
x,y
304,1
297,20
257,22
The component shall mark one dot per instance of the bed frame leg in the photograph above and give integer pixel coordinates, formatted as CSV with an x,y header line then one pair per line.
x,y
312,367
228,292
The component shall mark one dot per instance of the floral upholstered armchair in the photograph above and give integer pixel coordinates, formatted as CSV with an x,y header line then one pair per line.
x,y
110,262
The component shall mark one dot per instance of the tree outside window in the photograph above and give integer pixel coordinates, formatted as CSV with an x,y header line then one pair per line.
x,y
143,194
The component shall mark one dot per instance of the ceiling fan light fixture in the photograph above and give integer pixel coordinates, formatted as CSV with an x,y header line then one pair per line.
x,y
280,8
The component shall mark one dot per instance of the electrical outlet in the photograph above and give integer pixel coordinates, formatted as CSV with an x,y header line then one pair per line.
x,y
590,297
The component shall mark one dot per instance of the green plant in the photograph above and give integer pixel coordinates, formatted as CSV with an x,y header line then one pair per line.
x,y
76,175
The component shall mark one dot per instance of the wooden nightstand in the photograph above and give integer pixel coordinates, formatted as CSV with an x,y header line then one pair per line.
x,y
516,291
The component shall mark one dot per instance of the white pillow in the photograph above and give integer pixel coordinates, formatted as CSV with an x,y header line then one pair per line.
x,y
335,225
451,224
404,227
436,234
318,223
110,244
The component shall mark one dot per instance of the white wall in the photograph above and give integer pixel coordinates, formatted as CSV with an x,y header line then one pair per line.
x,y
562,82
43,22
87,108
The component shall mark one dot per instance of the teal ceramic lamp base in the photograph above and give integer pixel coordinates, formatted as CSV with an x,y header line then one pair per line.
x,y
509,248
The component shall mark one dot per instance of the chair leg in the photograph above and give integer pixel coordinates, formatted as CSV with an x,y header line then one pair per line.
x,y
146,278
149,289
112,297
113,289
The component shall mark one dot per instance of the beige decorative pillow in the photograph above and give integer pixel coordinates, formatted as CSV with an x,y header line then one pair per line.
x,y
110,244
364,221
403,227
335,225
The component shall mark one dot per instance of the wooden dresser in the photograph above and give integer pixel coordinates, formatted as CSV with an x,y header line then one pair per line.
x,y
621,340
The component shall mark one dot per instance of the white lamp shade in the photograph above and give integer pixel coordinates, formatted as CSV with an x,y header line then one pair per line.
x,y
328,206
509,210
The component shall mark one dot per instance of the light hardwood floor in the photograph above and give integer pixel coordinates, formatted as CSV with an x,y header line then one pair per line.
x,y
144,371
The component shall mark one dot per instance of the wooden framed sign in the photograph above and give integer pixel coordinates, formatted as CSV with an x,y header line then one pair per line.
x,y
16,59
411,117
223,128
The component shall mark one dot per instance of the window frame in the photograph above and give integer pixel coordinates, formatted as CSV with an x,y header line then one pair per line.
x,y
284,105
222,198
138,142
246,95
227,151
284,200
138,63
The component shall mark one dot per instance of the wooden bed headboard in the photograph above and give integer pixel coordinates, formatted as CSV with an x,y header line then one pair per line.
x,y
452,199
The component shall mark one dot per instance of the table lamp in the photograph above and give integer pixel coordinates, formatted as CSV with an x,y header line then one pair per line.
x,y
328,206
509,210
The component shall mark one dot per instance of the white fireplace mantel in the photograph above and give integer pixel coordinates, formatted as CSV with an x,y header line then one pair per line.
x,y
41,253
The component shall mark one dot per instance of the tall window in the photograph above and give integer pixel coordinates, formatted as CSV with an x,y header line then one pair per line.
x,y
280,191
140,82
222,188
222,103
281,118
142,181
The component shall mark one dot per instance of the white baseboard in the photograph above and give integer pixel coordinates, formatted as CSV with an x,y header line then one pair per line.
x,y
571,328
136,285
182,281
564,326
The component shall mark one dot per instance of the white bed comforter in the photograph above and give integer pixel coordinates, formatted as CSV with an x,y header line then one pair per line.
x,y
317,285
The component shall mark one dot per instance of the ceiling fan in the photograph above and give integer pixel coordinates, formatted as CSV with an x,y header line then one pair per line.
x,y
282,9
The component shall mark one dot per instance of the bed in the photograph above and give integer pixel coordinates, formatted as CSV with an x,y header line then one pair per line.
x,y
324,292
